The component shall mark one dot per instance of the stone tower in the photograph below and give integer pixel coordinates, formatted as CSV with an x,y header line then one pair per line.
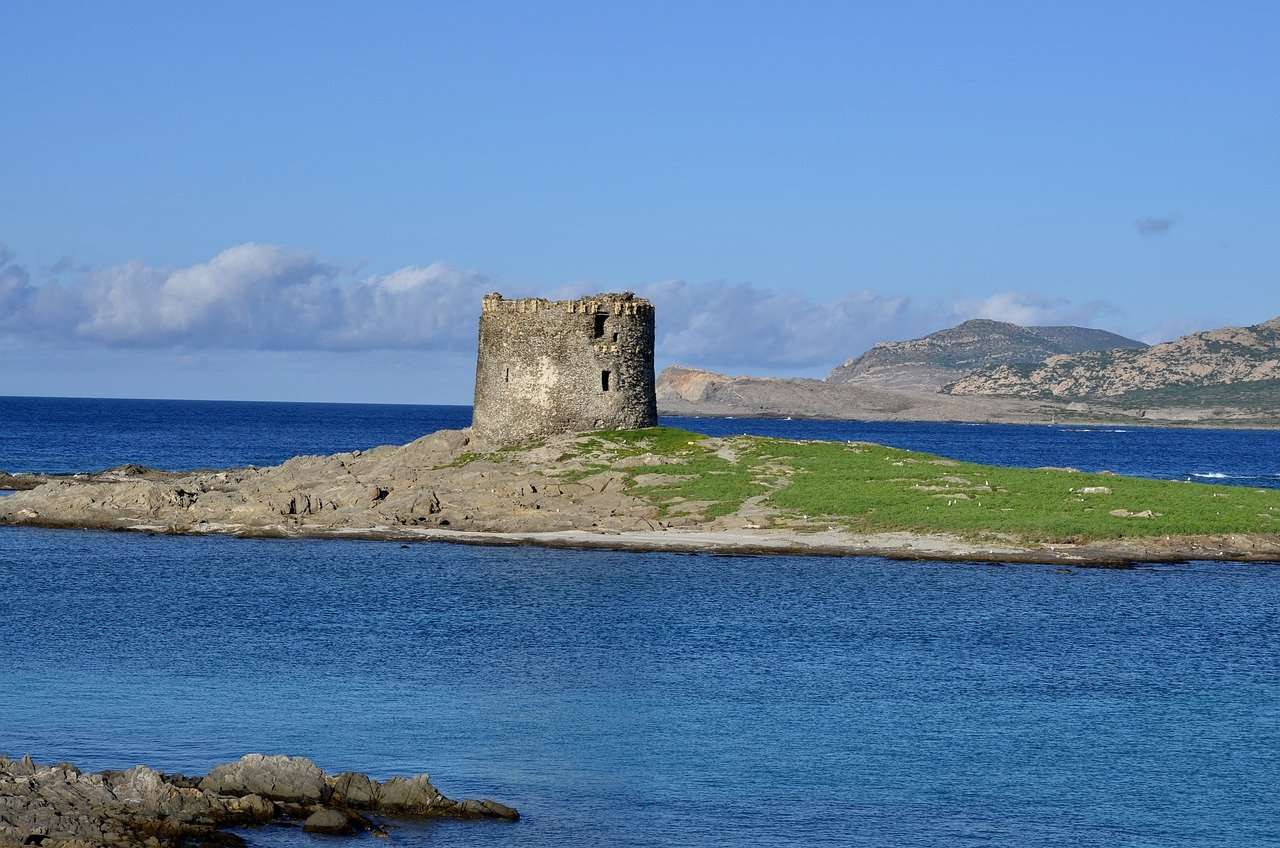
x,y
563,366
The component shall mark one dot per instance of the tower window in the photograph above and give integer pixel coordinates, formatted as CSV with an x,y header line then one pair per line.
x,y
600,319
615,338
604,381
506,378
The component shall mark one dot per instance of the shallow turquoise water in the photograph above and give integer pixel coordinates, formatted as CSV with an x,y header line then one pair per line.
x,y
627,699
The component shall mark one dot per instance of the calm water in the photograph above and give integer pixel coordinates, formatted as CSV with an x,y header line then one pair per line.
x,y
623,699
66,435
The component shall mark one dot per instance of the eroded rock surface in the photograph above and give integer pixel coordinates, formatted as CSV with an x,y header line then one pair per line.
x,y
438,481
58,806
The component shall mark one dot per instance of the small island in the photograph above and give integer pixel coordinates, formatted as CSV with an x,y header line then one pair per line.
x,y
669,489
564,451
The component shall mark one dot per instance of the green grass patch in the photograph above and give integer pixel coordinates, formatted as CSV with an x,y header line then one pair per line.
x,y
875,488
465,458
878,488
707,477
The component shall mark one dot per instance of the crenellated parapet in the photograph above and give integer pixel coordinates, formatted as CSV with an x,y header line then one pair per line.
x,y
620,303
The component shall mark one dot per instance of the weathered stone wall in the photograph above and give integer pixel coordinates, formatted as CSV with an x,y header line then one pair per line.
x,y
547,367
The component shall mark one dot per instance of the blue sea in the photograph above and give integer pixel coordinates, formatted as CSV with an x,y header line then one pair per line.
x,y
656,699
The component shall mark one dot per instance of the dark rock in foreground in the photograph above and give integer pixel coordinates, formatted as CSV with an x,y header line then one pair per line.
x,y
59,806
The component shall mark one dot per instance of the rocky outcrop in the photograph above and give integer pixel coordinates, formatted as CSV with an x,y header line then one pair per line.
x,y
19,482
293,779
58,806
947,355
436,482
1180,370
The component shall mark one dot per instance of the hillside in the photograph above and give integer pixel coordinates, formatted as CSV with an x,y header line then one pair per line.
x,y
1236,366
691,391
947,355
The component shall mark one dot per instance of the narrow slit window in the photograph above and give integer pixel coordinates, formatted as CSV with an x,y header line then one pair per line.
x,y
604,381
615,338
506,378
600,319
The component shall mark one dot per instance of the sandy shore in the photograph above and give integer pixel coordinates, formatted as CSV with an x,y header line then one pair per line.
x,y
746,542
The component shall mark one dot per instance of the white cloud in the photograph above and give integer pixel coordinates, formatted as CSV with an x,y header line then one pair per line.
x,y
1028,309
249,297
264,297
745,326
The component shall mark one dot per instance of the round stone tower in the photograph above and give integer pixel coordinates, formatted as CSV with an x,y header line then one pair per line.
x,y
563,366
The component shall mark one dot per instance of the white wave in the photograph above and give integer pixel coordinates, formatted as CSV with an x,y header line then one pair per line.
x,y
1089,430
1218,475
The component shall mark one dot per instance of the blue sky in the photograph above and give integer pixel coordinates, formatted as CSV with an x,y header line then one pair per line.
x,y
302,202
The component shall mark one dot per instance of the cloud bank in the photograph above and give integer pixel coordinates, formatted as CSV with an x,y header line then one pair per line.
x,y
269,298
252,296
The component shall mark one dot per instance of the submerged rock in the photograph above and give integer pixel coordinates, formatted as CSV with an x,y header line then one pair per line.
x,y
328,821
59,806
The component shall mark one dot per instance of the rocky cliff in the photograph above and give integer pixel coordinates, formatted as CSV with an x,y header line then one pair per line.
x,y
1192,370
947,355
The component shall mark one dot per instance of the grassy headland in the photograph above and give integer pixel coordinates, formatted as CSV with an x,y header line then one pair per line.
x,y
870,488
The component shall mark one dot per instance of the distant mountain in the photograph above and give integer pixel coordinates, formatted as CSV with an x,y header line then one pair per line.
x,y
947,355
1194,370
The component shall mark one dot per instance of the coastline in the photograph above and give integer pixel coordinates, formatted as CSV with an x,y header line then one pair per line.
x,y
901,545
669,490
1118,421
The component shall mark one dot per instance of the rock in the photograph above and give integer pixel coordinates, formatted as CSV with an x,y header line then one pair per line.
x,y
254,809
501,811
60,807
329,821
278,778
489,809
1093,490
413,796
426,504
355,790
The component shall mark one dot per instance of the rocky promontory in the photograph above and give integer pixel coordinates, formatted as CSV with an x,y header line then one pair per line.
x,y
440,481
59,806
667,489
